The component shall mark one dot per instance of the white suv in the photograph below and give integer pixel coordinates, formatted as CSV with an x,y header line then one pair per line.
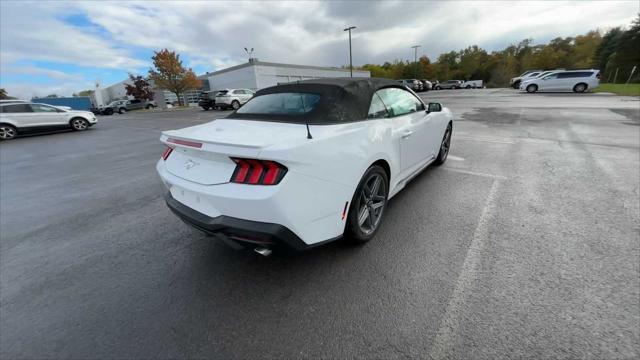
x,y
573,80
233,98
20,117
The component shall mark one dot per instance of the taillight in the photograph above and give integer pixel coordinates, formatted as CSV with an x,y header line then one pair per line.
x,y
599,77
257,172
166,153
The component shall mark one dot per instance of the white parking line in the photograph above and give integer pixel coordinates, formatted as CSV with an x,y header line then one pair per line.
x,y
497,141
444,344
463,171
455,158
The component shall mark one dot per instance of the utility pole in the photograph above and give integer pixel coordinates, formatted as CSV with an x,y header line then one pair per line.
x,y
415,47
350,58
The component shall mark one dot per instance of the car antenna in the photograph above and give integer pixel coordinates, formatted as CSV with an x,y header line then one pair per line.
x,y
306,121
308,132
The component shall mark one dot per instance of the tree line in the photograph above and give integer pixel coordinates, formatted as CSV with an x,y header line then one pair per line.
x,y
616,49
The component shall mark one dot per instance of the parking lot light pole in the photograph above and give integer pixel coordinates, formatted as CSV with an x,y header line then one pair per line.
x,y
415,47
350,59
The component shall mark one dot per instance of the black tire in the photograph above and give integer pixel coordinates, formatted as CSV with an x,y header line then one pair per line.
x,y
516,85
205,108
108,111
437,88
149,107
580,88
532,88
444,146
235,104
358,230
122,110
79,124
468,87
7,132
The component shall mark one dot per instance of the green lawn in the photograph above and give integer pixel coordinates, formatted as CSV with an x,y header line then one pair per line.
x,y
619,89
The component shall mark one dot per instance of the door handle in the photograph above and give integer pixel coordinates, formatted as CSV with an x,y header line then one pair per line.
x,y
407,134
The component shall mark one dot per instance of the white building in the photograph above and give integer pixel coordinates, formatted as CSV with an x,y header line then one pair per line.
x,y
256,75
253,75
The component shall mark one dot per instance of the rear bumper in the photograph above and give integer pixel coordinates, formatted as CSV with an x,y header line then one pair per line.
x,y
238,233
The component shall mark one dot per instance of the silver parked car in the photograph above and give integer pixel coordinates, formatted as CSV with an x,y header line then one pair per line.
x,y
412,84
232,98
449,84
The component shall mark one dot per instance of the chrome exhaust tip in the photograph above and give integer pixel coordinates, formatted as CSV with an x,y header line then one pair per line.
x,y
263,251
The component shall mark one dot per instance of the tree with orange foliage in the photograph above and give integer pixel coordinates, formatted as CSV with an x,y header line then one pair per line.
x,y
169,73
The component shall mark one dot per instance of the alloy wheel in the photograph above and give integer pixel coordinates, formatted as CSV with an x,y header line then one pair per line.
x,y
371,203
7,132
446,143
79,124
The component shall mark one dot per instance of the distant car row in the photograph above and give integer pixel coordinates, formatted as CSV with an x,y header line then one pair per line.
x,y
559,80
122,106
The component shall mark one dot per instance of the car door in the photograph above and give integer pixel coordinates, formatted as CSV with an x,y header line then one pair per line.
x,y
549,82
248,95
18,114
44,115
243,95
134,104
411,123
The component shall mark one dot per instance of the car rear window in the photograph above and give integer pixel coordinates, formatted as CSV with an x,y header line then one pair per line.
x,y
575,74
222,92
15,108
281,104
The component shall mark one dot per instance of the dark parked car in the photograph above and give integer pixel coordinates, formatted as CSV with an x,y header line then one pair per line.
x,y
207,100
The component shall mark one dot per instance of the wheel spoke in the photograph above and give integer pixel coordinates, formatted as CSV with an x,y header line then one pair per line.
x,y
377,205
372,220
364,215
375,186
366,191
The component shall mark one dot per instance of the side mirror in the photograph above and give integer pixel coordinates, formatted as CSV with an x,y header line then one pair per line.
x,y
434,107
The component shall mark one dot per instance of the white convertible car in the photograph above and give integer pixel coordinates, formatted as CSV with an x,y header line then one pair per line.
x,y
304,163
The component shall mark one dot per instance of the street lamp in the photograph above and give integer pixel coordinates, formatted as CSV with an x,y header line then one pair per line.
x,y
415,47
350,60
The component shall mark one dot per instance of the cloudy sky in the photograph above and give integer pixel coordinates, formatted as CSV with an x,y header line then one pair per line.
x,y
61,47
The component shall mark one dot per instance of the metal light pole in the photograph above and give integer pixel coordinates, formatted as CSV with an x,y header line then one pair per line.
x,y
350,59
415,47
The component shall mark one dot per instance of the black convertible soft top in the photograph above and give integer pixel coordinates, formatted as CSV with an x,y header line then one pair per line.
x,y
342,99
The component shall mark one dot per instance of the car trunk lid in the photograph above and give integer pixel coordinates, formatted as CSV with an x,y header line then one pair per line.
x,y
202,153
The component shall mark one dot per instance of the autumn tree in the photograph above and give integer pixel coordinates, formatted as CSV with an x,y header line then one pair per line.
x,y
170,74
84,93
3,94
139,88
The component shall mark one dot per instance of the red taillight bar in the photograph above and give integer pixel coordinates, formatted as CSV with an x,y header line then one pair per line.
x,y
166,153
257,172
185,142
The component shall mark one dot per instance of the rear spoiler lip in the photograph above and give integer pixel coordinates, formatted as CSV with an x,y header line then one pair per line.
x,y
165,137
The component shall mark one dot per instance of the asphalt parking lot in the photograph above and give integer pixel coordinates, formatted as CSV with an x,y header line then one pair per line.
x,y
525,244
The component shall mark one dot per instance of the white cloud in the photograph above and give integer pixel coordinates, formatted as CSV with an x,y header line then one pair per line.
x,y
33,32
212,34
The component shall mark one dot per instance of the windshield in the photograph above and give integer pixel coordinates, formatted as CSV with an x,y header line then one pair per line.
x,y
281,104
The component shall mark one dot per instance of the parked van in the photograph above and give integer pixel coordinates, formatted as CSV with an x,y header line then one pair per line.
x,y
571,80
